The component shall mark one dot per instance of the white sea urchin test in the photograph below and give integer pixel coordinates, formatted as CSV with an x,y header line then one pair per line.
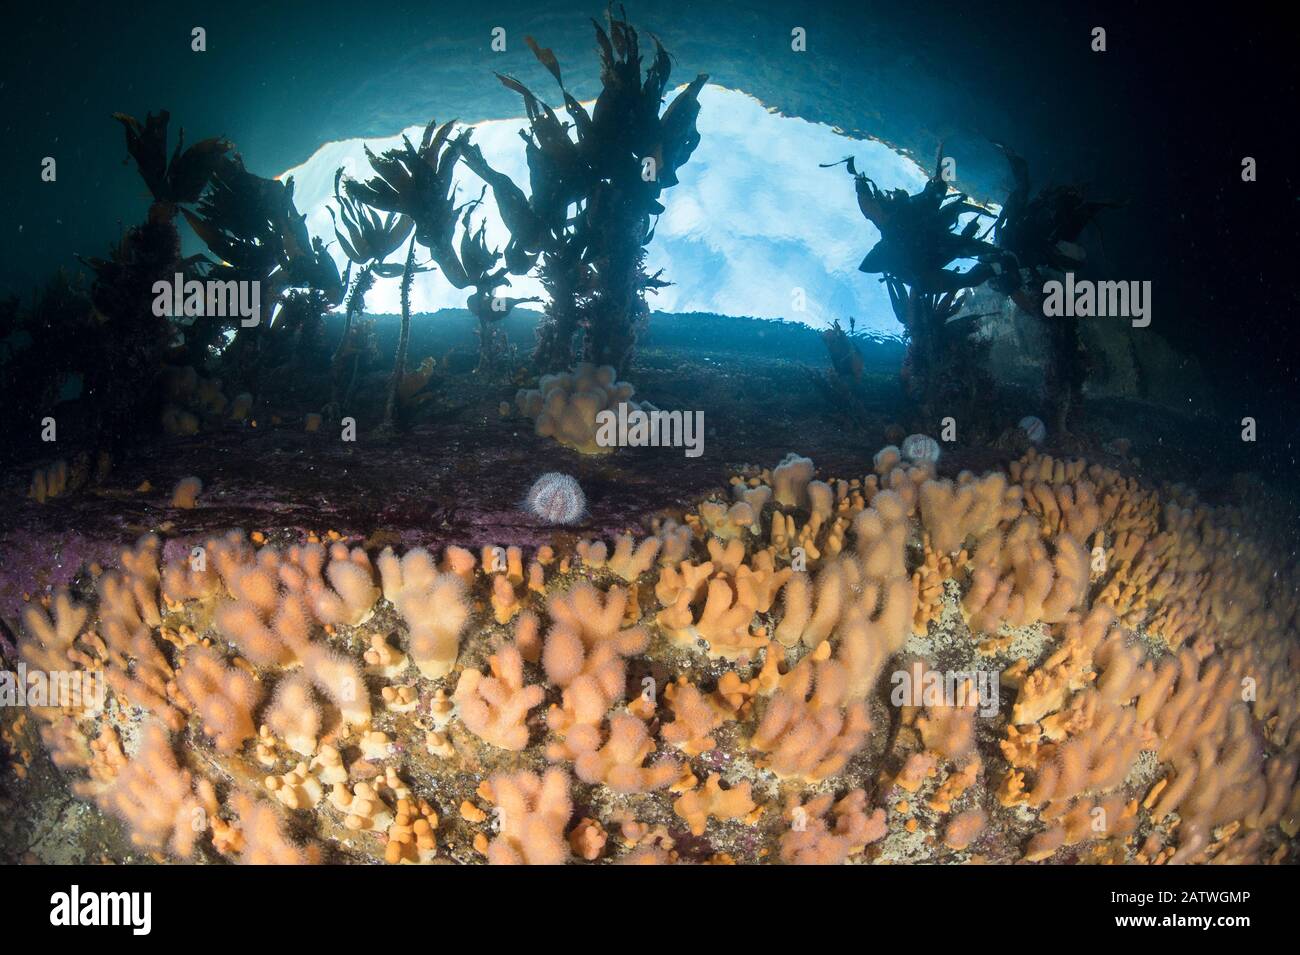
x,y
921,449
556,498
1034,428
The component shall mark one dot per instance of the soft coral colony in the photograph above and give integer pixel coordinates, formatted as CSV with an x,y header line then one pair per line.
x,y
716,689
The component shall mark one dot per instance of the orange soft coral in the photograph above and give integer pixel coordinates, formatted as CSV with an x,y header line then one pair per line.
x,y
496,707
532,813
223,696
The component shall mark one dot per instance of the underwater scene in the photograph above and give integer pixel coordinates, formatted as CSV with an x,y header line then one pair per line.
x,y
674,434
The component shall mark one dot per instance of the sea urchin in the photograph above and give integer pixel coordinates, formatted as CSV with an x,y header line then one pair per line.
x,y
556,498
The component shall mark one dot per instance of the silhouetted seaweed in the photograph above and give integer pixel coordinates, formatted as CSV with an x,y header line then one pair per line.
x,y
180,179
485,277
846,357
919,240
420,184
944,371
367,239
124,379
612,169
1039,234
49,349
132,341
257,235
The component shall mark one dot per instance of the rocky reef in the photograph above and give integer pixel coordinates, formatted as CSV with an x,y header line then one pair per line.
x,y
1047,661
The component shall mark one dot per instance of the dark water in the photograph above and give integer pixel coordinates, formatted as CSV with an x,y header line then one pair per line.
x,y
1160,121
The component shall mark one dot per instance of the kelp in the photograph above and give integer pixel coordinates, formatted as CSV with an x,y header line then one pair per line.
x,y
610,167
